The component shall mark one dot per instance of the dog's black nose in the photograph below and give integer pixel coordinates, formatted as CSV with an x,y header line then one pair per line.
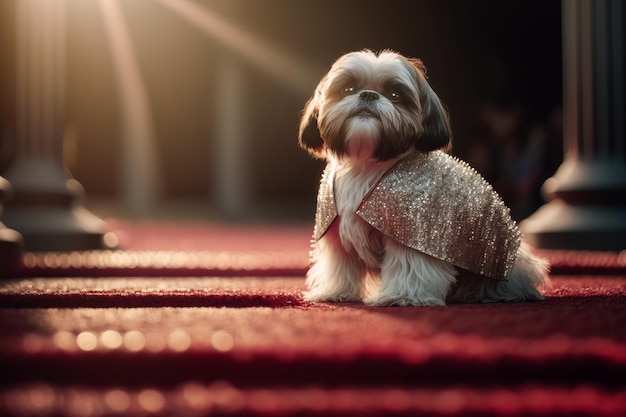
x,y
369,95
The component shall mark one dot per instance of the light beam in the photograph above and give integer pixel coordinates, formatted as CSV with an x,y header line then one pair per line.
x,y
298,76
140,168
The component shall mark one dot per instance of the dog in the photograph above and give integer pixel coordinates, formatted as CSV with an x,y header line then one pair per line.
x,y
400,222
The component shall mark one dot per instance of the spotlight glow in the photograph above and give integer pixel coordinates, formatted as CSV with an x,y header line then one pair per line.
x,y
300,77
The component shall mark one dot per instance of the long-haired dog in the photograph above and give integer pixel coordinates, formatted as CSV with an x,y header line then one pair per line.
x,y
399,221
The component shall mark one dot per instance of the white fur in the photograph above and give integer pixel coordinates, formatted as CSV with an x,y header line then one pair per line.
x,y
362,136
355,262
346,261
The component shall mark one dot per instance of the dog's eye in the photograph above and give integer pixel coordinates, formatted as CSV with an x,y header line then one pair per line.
x,y
394,96
348,90
395,92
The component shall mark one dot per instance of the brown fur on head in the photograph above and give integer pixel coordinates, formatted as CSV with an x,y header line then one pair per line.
x,y
374,106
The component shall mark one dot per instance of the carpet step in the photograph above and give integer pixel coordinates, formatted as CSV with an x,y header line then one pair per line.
x,y
168,359
284,261
251,346
223,399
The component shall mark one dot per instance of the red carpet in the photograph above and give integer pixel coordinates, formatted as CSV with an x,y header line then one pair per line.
x,y
209,320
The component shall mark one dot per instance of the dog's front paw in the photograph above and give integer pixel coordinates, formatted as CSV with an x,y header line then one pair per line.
x,y
400,301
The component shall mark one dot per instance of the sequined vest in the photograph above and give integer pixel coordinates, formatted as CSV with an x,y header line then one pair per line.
x,y
436,204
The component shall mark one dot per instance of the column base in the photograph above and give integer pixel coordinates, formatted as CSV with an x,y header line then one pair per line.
x,y
10,250
11,242
599,181
59,229
558,225
47,210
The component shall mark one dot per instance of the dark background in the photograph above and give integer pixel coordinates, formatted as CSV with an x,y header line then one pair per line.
x,y
496,65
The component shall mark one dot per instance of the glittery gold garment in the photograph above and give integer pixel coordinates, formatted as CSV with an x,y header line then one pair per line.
x,y
439,205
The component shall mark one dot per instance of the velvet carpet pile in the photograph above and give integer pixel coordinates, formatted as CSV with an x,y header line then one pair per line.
x,y
205,320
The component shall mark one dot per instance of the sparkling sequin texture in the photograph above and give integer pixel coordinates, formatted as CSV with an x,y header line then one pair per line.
x,y
326,208
439,205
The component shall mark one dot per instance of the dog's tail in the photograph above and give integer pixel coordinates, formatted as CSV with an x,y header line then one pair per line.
x,y
529,280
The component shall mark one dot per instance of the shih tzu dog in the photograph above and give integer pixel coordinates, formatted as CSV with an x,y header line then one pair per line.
x,y
399,221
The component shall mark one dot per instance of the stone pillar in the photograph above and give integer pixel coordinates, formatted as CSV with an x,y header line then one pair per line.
x,y
46,206
231,159
587,194
10,240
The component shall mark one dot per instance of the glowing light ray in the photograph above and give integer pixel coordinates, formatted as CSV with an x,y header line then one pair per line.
x,y
299,77
140,177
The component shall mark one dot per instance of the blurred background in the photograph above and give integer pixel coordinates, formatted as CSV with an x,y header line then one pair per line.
x,y
216,87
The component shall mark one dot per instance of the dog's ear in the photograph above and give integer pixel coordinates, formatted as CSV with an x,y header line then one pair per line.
x,y
437,132
309,136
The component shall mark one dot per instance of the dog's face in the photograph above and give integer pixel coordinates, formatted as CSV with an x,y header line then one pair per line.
x,y
374,106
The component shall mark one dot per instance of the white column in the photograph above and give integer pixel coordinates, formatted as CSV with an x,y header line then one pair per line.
x,y
46,207
230,158
587,194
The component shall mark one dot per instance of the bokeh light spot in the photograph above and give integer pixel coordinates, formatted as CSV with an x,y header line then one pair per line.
x,y
87,341
179,340
64,340
222,341
111,339
134,340
117,400
151,400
